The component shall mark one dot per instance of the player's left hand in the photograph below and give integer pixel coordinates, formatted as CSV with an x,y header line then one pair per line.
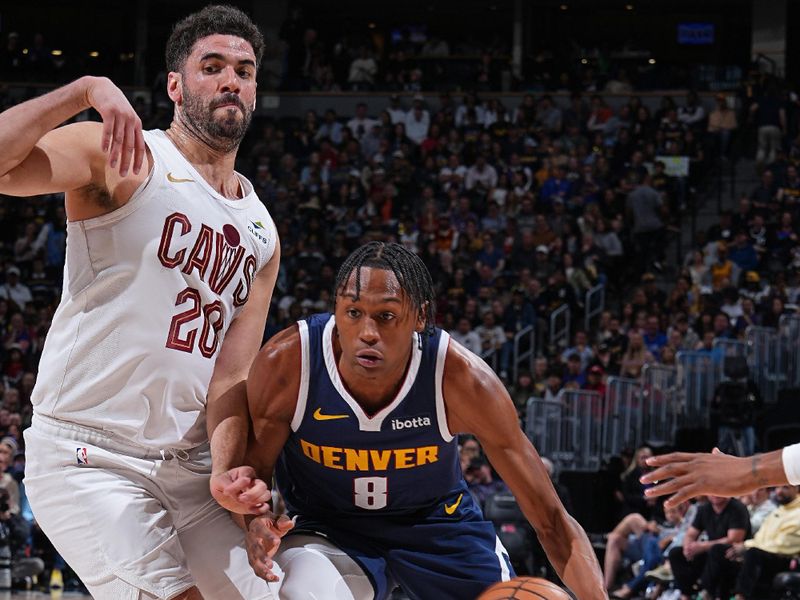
x,y
262,540
240,491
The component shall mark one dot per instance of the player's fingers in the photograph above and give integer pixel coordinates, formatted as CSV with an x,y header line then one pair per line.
x,y
664,488
256,493
672,457
140,149
128,148
685,493
285,524
108,133
235,488
116,142
665,472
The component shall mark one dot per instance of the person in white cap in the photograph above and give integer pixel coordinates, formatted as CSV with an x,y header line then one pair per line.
x,y
13,290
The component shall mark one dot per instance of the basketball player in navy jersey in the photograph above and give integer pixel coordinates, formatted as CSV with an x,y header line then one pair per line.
x,y
362,441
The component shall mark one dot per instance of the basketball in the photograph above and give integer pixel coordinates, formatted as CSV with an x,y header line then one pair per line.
x,y
524,588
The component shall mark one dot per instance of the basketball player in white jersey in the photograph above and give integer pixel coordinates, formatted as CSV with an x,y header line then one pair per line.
x,y
171,263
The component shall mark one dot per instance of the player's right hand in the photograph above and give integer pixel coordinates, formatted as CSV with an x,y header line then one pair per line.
x,y
240,491
262,540
122,129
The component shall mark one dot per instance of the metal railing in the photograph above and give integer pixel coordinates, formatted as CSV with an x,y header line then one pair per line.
x,y
594,304
659,404
568,430
623,416
724,349
767,362
789,330
522,353
696,380
559,333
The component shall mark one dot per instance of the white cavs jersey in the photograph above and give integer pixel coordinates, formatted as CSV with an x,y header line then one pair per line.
x,y
149,291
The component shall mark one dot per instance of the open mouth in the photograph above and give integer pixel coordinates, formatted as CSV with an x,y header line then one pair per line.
x,y
369,358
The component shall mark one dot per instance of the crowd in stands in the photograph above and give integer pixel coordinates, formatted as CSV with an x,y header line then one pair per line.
x,y
516,210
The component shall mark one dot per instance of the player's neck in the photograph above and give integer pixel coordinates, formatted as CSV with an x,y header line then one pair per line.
x,y
214,165
373,393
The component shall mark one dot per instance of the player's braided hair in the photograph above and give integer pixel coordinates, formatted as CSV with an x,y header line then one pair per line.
x,y
412,274
213,19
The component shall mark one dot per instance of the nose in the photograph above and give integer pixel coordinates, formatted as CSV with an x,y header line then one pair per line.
x,y
230,80
369,332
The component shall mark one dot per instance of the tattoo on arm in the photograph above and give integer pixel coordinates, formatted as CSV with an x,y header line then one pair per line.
x,y
760,479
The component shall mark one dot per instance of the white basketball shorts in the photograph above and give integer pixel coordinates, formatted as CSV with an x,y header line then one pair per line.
x,y
135,523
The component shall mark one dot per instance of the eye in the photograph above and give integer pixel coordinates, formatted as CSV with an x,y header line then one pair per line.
x,y
245,74
352,313
210,69
387,316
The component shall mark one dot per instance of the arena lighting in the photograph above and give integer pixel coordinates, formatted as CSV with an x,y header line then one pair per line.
x,y
584,61
563,7
371,25
652,61
24,50
94,54
56,52
629,7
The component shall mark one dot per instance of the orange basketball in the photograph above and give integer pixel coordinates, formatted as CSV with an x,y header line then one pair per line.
x,y
524,588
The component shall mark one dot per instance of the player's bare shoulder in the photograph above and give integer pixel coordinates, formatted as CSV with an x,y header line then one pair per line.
x,y
465,369
274,380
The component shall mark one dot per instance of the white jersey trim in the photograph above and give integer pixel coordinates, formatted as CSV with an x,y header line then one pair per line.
x,y
302,394
441,413
365,422
502,554
791,463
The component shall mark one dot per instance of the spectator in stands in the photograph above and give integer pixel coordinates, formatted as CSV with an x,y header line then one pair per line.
x,y
481,176
772,548
363,70
759,504
635,357
769,116
692,114
467,337
581,348
595,380
360,124
724,521
14,290
481,481
644,206
417,121
523,389
631,493
722,124
637,539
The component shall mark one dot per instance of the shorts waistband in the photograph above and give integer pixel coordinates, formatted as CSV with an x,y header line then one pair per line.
x,y
106,439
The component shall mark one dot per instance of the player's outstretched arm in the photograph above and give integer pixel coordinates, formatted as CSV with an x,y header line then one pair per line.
x,y
237,487
477,402
40,157
688,475
272,388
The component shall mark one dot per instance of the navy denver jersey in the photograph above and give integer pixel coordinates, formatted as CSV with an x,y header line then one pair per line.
x,y
387,489
339,461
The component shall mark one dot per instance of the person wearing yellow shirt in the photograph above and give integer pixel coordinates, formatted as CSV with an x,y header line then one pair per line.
x,y
772,548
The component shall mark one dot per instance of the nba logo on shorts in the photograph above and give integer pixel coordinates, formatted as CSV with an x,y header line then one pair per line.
x,y
81,457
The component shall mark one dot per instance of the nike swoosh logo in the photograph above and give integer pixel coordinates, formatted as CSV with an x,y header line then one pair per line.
x,y
173,179
320,417
452,507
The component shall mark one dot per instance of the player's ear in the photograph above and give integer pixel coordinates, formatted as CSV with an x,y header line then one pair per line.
x,y
419,327
174,89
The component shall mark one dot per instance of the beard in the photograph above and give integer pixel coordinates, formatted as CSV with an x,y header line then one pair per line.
x,y
221,130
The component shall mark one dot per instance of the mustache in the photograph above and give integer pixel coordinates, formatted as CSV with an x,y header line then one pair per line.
x,y
228,99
